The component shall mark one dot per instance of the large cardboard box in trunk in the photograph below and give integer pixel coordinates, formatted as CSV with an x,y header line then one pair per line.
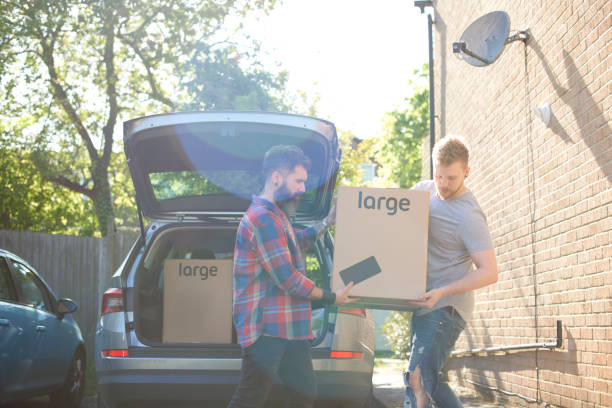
x,y
380,243
197,301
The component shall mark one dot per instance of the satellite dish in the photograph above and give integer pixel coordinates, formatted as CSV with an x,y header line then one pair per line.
x,y
484,40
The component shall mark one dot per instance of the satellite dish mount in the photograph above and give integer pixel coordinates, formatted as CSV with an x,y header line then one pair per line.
x,y
484,40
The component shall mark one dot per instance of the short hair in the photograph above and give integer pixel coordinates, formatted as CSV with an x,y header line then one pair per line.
x,y
284,157
450,149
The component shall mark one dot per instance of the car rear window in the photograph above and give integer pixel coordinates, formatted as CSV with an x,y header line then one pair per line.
x,y
218,166
244,183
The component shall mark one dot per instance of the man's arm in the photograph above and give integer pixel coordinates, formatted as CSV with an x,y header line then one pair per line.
x,y
273,252
484,274
307,237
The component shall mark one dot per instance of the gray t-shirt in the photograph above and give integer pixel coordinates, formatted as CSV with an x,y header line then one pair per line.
x,y
457,228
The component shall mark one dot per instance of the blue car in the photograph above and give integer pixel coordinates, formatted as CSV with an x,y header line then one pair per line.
x,y
41,346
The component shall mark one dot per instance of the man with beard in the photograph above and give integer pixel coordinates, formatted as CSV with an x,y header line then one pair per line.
x,y
271,293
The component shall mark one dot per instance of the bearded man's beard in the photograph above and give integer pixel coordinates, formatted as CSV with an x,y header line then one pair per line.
x,y
285,200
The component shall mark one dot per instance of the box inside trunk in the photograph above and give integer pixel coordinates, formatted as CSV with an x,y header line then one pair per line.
x,y
180,254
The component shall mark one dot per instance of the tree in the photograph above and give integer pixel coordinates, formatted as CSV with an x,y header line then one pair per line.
x,y
404,132
122,191
69,69
219,82
355,153
27,201
397,331
400,154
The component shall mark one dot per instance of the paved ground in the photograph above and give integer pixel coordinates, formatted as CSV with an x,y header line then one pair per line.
x,y
388,390
43,402
389,387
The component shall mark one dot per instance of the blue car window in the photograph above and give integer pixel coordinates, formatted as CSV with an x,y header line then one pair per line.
x,y
7,292
31,289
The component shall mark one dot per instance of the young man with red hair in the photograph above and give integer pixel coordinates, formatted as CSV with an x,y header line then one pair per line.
x,y
458,237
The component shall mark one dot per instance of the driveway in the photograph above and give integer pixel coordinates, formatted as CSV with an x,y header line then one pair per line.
x,y
389,387
387,381
43,402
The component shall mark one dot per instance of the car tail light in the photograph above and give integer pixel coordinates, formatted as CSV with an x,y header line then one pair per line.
x,y
345,354
115,353
112,301
357,312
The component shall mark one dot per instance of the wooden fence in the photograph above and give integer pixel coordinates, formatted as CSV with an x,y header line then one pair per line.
x,y
78,268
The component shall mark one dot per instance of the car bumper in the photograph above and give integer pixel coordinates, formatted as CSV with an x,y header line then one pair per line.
x,y
175,388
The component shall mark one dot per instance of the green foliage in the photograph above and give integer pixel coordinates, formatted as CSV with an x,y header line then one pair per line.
x,y
404,131
181,184
313,269
397,331
220,83
397,154
400,154
28,202
70,71
170,185
122,190
355,153
91,382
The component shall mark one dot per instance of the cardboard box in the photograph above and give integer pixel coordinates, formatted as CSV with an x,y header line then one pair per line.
x,y
381,237
197,301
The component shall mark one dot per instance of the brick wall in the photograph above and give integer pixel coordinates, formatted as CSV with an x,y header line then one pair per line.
x,y
546,191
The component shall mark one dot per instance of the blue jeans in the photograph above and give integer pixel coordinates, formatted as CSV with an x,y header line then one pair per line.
x,y
432,337
273,360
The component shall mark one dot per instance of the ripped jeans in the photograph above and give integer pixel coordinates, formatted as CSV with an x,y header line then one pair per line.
x,y
432,337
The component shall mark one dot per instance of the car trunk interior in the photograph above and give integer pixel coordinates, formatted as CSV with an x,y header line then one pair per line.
x,y
195,245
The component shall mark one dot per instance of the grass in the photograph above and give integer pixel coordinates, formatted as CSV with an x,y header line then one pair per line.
x,y
384,354
385,360
91,384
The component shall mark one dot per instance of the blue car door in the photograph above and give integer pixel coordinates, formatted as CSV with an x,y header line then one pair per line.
x,y
16,339
50,361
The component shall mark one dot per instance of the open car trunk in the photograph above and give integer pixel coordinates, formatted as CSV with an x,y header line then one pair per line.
x,y
183,291
196,173
199,164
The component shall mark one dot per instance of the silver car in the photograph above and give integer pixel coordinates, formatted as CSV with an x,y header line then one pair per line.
x,y
194,175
